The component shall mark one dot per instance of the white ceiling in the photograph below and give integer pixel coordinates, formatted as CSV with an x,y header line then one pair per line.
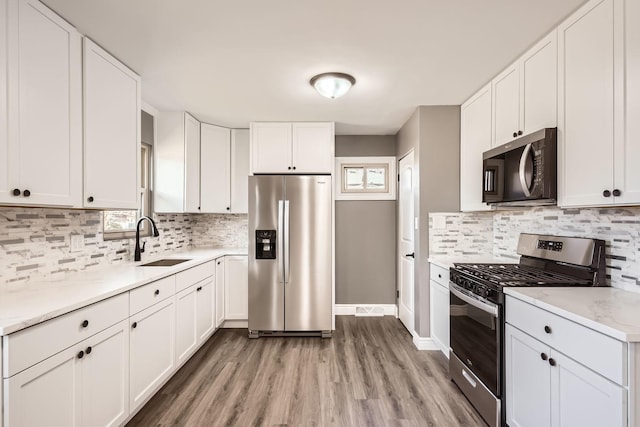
x,y
235,61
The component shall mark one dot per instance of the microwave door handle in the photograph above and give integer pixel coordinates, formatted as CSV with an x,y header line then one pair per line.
x,y
523,164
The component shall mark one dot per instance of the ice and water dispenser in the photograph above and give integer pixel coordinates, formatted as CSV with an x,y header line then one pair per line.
x,y
265,244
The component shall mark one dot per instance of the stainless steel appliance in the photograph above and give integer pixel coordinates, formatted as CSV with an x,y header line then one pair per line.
x,y
477,309
290,268
522,172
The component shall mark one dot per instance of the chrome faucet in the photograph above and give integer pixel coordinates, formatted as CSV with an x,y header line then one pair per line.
x,y
138,251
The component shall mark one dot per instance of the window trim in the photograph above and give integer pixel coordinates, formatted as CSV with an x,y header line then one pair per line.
x,y
386,162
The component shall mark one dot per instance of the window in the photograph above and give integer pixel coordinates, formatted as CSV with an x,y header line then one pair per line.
x,y
122,224
365,178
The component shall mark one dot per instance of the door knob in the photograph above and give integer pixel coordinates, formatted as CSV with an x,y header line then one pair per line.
x,y
411,255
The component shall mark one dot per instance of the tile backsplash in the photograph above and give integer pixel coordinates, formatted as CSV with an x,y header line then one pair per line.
x,y
456,234
35,242
620,228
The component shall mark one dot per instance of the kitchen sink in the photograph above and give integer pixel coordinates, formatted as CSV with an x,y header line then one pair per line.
x,y
164,262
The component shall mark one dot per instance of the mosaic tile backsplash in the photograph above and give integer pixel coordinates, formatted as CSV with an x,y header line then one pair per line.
x,y
620,228
463,234
35,242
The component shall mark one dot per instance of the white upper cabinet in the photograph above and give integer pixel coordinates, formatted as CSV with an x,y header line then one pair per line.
x,y
215,169
599,151
177,163
240,170
292,147
475,138
41,113
525,93
111,131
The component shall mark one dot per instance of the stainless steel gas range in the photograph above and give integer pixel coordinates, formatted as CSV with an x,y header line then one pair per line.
x,y
476,304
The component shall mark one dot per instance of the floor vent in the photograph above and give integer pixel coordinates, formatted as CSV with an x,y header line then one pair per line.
x,y
369,311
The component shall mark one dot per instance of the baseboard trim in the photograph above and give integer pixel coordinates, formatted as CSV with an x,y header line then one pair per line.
x,y
424,343
366,310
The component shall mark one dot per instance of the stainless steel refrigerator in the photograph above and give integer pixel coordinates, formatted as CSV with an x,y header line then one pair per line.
x,y
290,286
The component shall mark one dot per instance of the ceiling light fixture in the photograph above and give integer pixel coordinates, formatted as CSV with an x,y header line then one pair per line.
x,y
332,85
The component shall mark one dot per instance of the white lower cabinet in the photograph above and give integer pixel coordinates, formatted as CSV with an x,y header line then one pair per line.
x,y
84,385
236,292
220,293
439,306
195,318
545,387
205,309
152,356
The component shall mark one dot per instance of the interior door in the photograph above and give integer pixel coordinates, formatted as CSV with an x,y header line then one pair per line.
x,y
405,241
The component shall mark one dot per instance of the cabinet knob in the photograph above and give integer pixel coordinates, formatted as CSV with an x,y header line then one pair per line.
x,y
606,193
81,354
157,292
218,262
88,350
90,199
198,207
294,168
289,168
552,362
134,325
85,323
26,193
519,132
543,356
547,329
439,276
617,193
515,134
199,288
16,192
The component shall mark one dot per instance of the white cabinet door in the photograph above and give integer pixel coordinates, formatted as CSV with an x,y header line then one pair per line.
x,y
205,311
240,170
506,105
528,380
111,131
215,169
588,60
236,292
151,344
220,292
312,147
41,159
580,397
186,338
271,147
440,316
105,377
475,138
47,394
192,153
539,85
8,178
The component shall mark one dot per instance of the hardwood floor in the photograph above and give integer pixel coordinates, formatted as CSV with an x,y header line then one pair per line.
x,y
368,374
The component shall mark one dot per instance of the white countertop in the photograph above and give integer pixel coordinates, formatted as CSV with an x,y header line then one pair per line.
x,y
613,312
447,261
30,303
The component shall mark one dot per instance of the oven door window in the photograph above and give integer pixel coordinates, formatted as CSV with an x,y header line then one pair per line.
x,y
475,336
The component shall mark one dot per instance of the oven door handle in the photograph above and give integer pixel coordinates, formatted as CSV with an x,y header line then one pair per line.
x,y
487,308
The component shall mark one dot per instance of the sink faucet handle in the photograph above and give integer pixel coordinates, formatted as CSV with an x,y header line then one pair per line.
x,y
143,245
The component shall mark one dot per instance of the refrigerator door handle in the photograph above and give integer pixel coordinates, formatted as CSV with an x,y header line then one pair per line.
x,y
286,242
280,236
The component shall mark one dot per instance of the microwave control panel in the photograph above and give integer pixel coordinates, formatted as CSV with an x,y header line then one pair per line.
x,y
265,244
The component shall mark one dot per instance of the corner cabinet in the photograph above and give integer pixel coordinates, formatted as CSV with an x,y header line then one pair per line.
x,y
111,131
599,102
40,112
296,148
475,138
215,169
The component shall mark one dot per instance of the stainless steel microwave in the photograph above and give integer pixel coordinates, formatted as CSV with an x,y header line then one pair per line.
x,y
522,172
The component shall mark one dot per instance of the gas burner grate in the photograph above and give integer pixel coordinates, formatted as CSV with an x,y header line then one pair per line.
x,y
519,275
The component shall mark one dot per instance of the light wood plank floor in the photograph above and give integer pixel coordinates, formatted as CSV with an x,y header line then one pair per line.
x,y
368,374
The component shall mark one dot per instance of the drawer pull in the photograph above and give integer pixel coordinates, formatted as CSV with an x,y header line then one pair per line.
x,y
85,323
547,329
552,362
543,356
468,378
157,292
81,354
88,350
134,325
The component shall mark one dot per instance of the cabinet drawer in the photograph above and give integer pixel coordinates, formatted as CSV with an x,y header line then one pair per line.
x,y
440,275
186,278
151,293
598,352
29,346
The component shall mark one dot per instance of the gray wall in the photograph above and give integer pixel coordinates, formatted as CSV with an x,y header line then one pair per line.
x,y
433,132
365,234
